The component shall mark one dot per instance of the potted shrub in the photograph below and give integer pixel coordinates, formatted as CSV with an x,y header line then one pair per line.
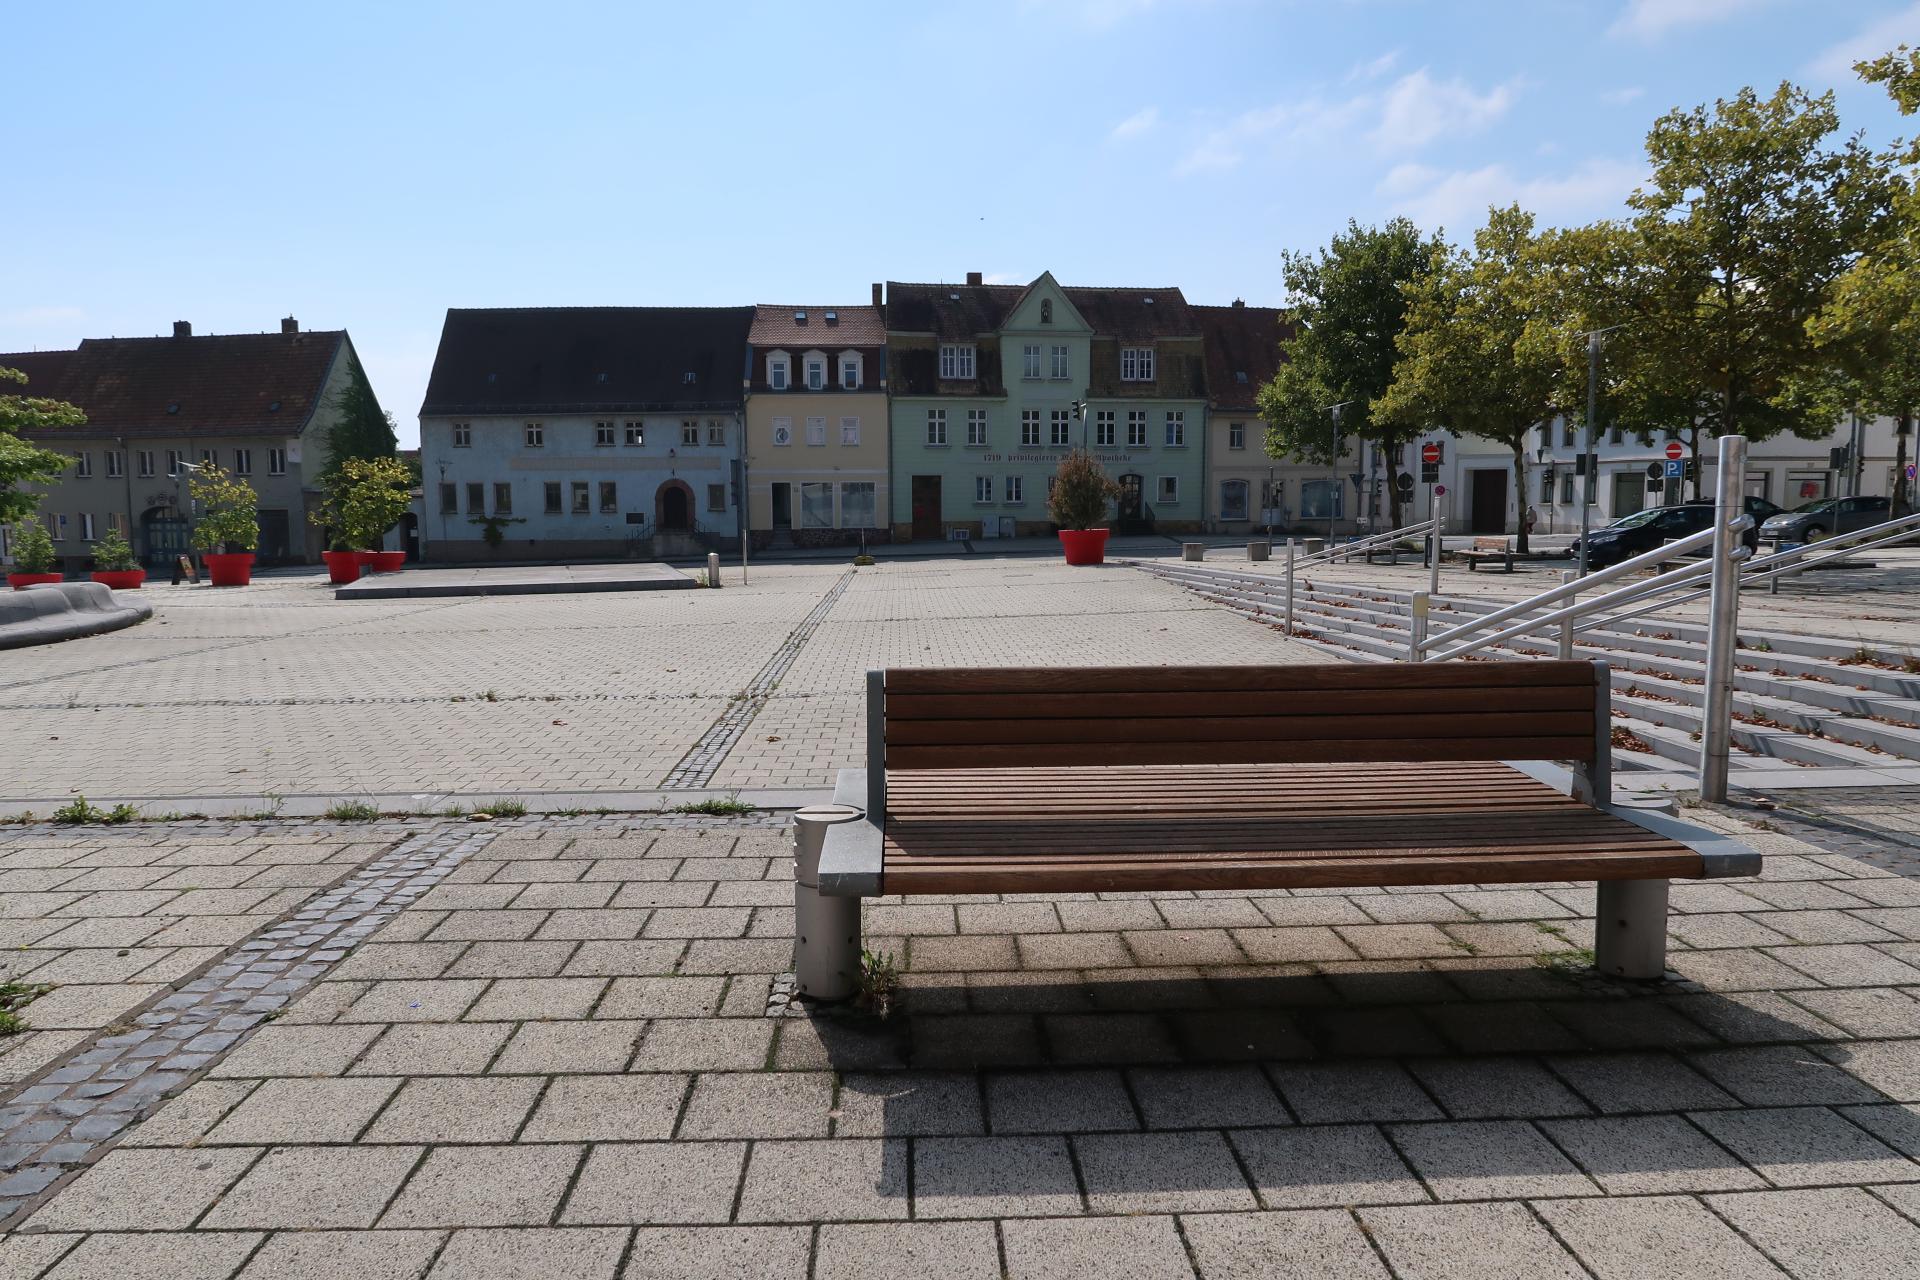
x,y
228,529
113,562
34,560
1078,504
343,563
365,498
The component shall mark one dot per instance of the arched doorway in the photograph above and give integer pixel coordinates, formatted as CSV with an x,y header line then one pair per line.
x,y
163,536
673,504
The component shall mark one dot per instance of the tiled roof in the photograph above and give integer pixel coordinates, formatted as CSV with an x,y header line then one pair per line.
x,y
1134,314
218,384
953,311
580,359
857,326
1244,351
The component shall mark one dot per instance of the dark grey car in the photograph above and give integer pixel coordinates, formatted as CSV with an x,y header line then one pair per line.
x,y
1828,516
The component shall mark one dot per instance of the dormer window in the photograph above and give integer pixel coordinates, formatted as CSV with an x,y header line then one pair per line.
x,y
956,361
850,370
779,370
1136,364
816,373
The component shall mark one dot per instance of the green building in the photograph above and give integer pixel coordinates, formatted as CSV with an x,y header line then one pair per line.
x,y
993,383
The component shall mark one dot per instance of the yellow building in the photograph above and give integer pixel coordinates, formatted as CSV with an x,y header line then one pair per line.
x,y
817,425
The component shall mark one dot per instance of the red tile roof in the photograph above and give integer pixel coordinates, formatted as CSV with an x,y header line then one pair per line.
x,y
857,326
1245,346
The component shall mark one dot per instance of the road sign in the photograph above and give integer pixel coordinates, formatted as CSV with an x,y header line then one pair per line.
x,y
1439,491
1405,483
1675,449
1429,452
1910,470
1655,470
1429,472
1675,469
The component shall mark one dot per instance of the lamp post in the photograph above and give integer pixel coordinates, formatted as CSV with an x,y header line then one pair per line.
x,y
1333,467
1586,465
179,474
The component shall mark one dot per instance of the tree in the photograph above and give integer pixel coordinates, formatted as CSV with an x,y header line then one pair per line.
x,y
229,517
1350,308
22,461
361,428
1081,492
364,498
1465,362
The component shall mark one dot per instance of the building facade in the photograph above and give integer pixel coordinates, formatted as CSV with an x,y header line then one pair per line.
x,y
548,433
992,384
260,405
816,433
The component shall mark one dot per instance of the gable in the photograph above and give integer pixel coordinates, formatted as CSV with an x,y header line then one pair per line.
x,y
1045,308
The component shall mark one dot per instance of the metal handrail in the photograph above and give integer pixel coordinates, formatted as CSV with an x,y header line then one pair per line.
x,y
1347,549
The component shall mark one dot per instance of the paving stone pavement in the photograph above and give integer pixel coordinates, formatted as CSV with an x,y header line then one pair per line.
x,y
557,1061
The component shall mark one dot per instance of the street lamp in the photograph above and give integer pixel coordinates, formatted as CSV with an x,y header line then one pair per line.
x,y
1333,466
186,503
1586,465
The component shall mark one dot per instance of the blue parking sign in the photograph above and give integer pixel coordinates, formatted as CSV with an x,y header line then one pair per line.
x,y
1675,469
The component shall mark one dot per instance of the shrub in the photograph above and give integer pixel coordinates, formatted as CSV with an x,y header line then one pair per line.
x,y
1081,491
230,519
364,498
111,554
33,548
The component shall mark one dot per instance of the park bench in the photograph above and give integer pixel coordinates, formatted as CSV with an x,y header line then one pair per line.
x,y
1489,549
1034,780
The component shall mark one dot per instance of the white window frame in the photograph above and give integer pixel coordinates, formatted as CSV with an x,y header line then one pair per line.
x,y
690,433
869,505
800,492
850,431
1236,435
86,526
957,361
1060,428
976,428
174,459
1136,364
816,433
982,491
553,495
635,434
609,497
276,462
936,428
1227,509
579,498
1030,360
502,498
603,435
852,370
463,435
83,465
780,371
1059,361
1176,424
116,464
815,367
1105,432
536,435
1029,428
1013,491
716,432
144,464
475,489
243,462
716,497
1136,428
1167,489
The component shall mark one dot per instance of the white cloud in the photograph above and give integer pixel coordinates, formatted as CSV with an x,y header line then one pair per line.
x,y
1623,95
1836,62
1651,19
1405,179
1419,109
1136,124
1459,200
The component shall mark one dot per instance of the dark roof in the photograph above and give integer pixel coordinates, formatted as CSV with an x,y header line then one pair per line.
x,y
1244,351
1134,314
960,311
217,384
581,359
856,326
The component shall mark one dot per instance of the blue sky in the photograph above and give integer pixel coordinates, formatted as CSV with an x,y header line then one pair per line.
x,y
368,166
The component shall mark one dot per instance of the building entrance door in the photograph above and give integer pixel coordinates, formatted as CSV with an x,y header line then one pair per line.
x,y
1131,486
163,537
1488,499
1629,493
782,505
926,508
674,513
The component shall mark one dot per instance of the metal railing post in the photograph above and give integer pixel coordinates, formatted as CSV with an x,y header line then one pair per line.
x,y
1289,585
1433,566
1566,623
1723,618
1417,626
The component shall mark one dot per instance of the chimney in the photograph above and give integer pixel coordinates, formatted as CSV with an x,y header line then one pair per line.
x,y
876,295
289,325
1240,303
183,328
973,277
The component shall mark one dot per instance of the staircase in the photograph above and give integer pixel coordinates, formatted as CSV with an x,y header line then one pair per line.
x,y
1801,704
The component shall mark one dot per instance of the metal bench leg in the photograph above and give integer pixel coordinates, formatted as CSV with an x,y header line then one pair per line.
x,y
826,930
1630,929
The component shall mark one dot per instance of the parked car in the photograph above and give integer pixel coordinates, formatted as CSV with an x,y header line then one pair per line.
x,y
1644,530
1826,517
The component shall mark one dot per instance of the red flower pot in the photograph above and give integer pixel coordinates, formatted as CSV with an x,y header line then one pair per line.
x,y
1084,546
342,566
389,561
229,569
367,560
21,581
121,579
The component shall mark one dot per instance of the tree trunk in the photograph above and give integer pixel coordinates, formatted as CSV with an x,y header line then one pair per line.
x,y
1393,487
1693,456
1901,429
1520,496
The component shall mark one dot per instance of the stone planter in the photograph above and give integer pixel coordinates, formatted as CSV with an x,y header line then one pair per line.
x,y
121,579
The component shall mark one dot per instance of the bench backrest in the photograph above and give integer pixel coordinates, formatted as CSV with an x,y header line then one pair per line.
x,y
1489,544
1000,718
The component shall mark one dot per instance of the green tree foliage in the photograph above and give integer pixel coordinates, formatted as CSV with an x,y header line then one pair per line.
x,y
1081,491
361,428
365,497
1465,360
21,461
33,547
111,554
1350,306
229,515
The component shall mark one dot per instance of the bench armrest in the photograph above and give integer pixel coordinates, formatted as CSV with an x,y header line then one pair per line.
x,y
1721,856
850,861
850,789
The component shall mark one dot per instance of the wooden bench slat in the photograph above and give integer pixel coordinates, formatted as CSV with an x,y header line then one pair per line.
x,y
1359,751
1227,729
906,680
1241,702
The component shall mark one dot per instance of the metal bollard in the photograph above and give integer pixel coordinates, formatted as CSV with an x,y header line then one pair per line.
x,y
1566,626
1259,550
1433,566
713,568
826,931
1417,626
1289,586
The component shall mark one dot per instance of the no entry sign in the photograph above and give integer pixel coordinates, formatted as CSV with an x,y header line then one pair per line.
x,y
1429,452
1675,450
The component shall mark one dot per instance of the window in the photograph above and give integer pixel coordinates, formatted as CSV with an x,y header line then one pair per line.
x,y
1061,427
783,432
977,427
1566,489
636,434
553,497
145,459
116,464
716,497
117,521
1236,435
716,432
1566,432
849,431
86,526
208,458
1103,428
1030,360
1176,429
502,498
816,373
779,370
1806,486
82,465
582,499
983,488
856,505
850,370
956,360
1057,365
1136,428
449,499
1136,364
243,462
1015,491
603,435
1233,499
59,524
536,435
936,426
609,497
816,432
1168,490
476,499
816,505
463,435
1320,499
1616,436
174,459
1030,426
1046,311
276,462
689,433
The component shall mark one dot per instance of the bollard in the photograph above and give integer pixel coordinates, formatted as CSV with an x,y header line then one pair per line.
x,y
826,931
1433,566
1259,550
1193,550
1417,626
1315,546
713,568
1566,625
1289,586
1723,618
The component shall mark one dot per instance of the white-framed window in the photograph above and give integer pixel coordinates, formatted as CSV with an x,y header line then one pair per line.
x,y
536,435
1103,431
1029,426
609,497
208,458
1321,500
936,426
463,435
145,460
117,521
716,497
689,432
476,498
816,373
1566,489
851,370
1167,490
1060,427
977,428
603,435
1176,429
502,498
1030,360
856,505
1236,435
116,464
86,526
1015,491
956,361
1136,428
816,504
553,497
59,526
850,431
716,432
1057,361
1233,499
243,462
983,488
817,433
782,432
582,498
82,465
1136,364
174,459
276,462
779,371
636,433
